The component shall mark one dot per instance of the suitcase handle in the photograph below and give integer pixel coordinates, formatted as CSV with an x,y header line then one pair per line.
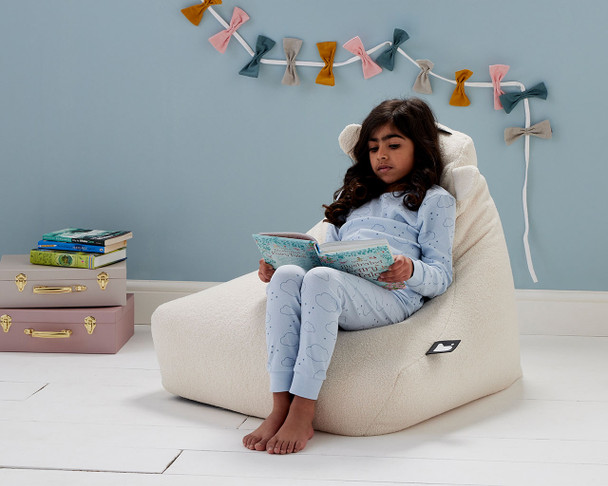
x,y
65,333
43,289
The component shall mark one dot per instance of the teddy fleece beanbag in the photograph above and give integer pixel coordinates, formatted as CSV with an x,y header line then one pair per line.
x,y
211,344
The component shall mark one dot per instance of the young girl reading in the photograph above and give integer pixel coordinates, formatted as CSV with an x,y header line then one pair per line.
x,y
389,192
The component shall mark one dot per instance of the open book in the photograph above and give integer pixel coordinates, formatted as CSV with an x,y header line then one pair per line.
x,y
364,258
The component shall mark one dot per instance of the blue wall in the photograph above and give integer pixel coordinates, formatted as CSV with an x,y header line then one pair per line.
x,y
120,114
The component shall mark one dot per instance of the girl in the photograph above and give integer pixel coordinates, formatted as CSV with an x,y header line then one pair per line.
x,y
389,192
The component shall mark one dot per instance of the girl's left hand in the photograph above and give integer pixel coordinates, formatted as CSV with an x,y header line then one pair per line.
x,y
400,271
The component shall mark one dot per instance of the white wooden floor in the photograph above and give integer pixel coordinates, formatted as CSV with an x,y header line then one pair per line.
x,y
105,420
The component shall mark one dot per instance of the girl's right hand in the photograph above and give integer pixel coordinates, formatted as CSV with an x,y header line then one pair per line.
x,y
266,271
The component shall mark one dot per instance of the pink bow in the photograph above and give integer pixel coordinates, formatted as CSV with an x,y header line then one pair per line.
x,y
370,68
497,72
221,39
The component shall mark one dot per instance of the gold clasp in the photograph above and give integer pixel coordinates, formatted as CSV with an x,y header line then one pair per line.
x,y
44,289
90,323
65,333
6,322
102,280
21,281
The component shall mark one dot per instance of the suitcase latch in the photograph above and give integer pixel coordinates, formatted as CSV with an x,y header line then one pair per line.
x,y
89,323
21,281
102,280
6,322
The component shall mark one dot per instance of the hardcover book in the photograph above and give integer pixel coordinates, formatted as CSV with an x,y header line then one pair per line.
x,y
65,246
76,259
364,258
88,236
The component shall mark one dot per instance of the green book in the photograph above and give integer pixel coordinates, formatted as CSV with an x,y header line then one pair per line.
x,y
76,259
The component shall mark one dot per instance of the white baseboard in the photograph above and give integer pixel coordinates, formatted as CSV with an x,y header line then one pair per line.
x,y
562,312
149,294
550,312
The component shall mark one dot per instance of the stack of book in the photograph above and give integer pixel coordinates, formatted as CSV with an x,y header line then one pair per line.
x,y
81,248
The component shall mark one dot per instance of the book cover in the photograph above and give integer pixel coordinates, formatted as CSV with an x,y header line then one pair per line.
x,y
364,258
65,246
76,259
88,236
278,250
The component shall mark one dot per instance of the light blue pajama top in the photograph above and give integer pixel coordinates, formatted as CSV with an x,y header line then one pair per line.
x,y
425,236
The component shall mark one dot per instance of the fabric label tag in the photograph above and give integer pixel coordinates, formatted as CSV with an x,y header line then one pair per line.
x,y
440,347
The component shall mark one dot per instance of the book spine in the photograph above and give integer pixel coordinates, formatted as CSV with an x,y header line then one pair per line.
x,y
61,245
60,259
57,238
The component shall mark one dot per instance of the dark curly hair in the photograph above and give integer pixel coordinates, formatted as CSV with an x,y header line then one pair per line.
x,y
414,119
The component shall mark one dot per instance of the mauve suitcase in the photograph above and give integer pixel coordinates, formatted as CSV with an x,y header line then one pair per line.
x,y
23,284
67,330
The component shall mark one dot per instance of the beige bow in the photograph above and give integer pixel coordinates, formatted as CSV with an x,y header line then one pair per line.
x,y
292,48
541,130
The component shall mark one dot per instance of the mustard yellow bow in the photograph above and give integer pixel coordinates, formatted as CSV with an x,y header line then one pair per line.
x,y
327,51
459,97
195,13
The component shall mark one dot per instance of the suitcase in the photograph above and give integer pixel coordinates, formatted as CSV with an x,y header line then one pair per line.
x,y
23,284
67,330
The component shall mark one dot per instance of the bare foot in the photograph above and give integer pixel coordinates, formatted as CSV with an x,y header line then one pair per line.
x,y
297,429
259,437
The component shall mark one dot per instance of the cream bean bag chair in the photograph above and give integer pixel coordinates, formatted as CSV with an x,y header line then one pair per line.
x,y
211,344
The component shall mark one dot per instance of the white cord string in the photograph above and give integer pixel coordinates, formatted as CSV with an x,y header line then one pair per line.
x,y
472,84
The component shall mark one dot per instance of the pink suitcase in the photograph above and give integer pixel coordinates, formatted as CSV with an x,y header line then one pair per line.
x,y
67,330
23,284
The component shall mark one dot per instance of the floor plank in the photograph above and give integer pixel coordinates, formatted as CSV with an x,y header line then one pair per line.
x,y
331,468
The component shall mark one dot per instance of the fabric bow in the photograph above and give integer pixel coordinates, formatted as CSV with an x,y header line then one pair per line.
x,y
262,46
459,97
387,58
423,83
195,13
541,130
370,68
292,48
509,100
221,39
497,73
327,51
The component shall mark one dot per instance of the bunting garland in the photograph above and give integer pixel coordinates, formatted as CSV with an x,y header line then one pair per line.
x,y
386,60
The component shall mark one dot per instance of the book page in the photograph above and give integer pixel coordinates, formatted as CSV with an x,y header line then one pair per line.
x,y
348,245
287,234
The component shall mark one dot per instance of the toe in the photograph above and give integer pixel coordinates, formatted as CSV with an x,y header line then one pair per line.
x,y
270,446
284,445
299,445
260,445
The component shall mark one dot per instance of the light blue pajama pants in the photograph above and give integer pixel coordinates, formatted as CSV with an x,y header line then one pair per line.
x,y
303,313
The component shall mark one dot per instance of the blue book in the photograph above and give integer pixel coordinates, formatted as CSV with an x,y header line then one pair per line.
x,y
66,246
364,258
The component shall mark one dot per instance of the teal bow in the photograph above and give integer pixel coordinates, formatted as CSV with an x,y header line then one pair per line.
x,y
262,46
509,100
387,58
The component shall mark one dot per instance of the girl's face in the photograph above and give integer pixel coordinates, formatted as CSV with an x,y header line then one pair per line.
x,y
391,154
